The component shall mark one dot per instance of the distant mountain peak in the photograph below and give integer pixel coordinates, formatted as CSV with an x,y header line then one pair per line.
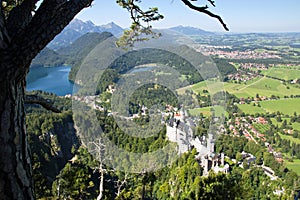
x,y
189,30
113,28
111,23
77,28
89,22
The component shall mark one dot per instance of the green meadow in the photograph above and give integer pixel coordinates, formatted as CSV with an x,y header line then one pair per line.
x,y
286,106
295,166
196,111
263,86
295,125
210,85
251,109
283,72
277,123
291,138
206,111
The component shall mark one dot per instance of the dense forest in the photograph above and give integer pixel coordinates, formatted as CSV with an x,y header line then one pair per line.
x,y
68,153
64,167
165,60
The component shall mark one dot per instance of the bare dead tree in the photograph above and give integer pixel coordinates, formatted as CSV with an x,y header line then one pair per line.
x,y
120,183
98,152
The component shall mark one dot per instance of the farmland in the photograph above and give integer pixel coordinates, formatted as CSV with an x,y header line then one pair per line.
x,y
285,106
263,86
251,109
291,138
196,111
294,166
261,127
283,72
294,125
206,111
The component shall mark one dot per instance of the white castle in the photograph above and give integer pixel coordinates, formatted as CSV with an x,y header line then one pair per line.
x,y
180,130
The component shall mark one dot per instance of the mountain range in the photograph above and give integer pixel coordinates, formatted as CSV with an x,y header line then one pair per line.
x,y
188,30
80,37
70,54
78,28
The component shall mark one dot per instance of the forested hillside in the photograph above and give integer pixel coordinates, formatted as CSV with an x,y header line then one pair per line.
x,y
75,54
72,54
64,168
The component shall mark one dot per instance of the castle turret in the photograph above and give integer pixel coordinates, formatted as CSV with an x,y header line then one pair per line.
x,y
222,159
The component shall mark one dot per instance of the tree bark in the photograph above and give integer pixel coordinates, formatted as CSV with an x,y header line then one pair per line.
x,y
99,197
22,37
15,167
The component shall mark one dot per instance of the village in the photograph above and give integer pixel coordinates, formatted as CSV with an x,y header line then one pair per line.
x,y
228,53
180,129
243,126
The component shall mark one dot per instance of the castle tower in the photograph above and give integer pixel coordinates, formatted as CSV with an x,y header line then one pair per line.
x,y
205,164
222,159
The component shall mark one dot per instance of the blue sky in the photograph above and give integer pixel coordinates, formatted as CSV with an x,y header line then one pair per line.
x,y
239,15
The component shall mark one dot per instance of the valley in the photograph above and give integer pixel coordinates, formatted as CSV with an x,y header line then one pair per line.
x,y
230,127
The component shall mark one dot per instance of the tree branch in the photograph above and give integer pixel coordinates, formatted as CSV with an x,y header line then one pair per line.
x,y
48,21
121,183
203,9
140,23
20,17
212,3
46,103
4,38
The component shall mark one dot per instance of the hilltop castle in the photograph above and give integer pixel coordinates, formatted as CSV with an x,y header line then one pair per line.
x,y
180,129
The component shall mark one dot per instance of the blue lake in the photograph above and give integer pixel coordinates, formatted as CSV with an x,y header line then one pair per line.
x,y
50,79
140,69
55,79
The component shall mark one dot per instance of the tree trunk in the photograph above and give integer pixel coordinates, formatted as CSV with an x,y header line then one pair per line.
x,y
101,184
22,37
15,166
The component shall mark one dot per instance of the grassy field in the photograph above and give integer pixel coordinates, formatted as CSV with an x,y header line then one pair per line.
x,y
283,72
295,125
181,91
210,85
291,138
286,106
206,111
262,85
295,166
275,122
196,111
250,109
